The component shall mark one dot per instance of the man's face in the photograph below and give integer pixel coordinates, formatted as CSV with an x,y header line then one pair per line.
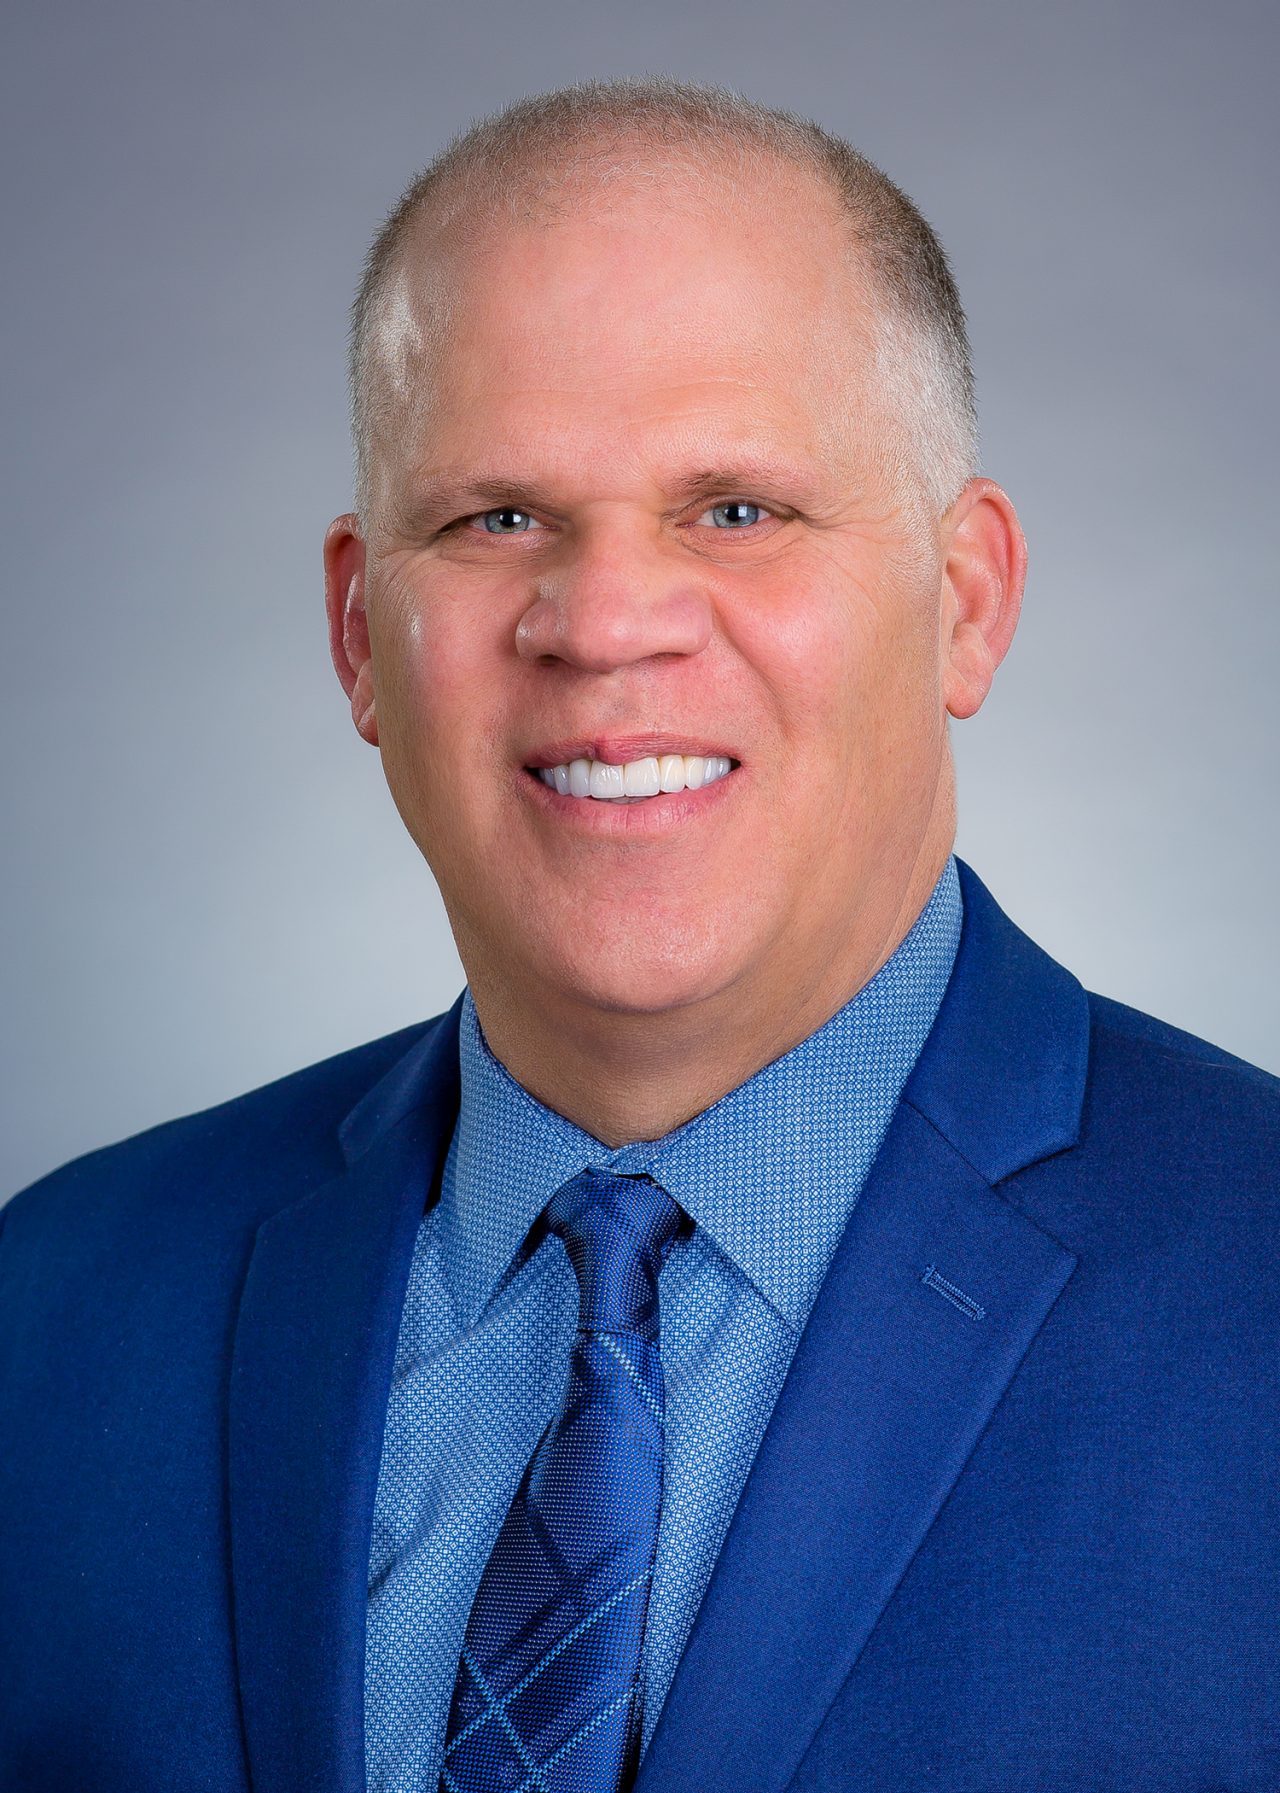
x,y
641,505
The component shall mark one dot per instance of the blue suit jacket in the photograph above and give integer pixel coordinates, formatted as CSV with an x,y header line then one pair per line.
x,y
1013,1523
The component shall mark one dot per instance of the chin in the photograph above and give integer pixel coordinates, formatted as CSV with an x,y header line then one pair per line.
x,y
620,996
644,981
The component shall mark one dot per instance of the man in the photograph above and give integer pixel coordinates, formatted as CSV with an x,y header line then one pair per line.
x,y
776,1330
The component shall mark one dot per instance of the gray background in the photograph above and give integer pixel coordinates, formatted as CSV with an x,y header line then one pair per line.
x,y
206,882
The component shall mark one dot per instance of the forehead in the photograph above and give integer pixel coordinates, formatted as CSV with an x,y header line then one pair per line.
x,y
730,302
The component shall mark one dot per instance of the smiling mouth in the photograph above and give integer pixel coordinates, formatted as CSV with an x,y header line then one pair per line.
x,y
637,780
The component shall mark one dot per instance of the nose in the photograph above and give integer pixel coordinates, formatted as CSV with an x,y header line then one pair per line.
x,y
612,601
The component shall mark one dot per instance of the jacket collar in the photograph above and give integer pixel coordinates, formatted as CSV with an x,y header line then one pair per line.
x,y
1002,1074
998,1085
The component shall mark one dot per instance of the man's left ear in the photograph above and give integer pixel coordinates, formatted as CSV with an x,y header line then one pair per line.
x,y
986,567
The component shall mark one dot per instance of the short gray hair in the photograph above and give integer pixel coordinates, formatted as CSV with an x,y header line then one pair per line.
x,y
923,347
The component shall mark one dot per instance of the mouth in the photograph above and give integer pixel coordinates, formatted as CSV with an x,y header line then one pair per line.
x,y
604,780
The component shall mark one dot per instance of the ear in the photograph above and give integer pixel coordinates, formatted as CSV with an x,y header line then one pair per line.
x,y
344,572
986,567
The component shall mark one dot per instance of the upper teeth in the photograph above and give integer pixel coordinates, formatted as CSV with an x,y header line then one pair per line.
x,y
638,778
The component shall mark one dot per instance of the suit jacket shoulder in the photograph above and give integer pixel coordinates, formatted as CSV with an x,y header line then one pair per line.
x,y
1111,1018
207,1167
1176,1123
123,1279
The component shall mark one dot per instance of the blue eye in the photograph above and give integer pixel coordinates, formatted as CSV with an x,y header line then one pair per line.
x,y
506,520
737,513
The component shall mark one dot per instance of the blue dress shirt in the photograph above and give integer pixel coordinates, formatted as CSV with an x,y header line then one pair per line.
x,y
770,1174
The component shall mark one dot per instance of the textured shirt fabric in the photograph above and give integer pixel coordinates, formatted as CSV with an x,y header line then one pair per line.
x,y
769,1175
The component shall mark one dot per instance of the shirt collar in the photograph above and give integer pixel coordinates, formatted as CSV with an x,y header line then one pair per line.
x,y
771,1171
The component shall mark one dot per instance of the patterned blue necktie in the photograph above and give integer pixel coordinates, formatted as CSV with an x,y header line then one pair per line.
x,y
545,1700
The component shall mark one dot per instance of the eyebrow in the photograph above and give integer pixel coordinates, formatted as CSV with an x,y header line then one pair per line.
x,y
746,475
436,497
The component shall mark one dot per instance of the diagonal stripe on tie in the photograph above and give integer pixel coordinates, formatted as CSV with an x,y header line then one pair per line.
x,y
556,1650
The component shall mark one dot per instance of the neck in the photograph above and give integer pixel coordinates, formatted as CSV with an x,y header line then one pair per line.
x,y
626,1076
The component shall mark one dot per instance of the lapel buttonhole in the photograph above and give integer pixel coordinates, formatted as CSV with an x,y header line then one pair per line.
x,y
957,1297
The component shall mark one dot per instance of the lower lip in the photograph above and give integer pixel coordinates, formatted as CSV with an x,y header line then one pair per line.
x,y
642,816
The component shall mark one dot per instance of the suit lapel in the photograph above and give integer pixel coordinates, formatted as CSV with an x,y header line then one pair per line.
x,y
311,1368
933,1297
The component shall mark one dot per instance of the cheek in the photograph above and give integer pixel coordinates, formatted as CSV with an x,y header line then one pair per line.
x,y
432,675
434,688
849,662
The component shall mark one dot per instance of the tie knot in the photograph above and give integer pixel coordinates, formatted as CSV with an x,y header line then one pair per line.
x,y
617,1231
